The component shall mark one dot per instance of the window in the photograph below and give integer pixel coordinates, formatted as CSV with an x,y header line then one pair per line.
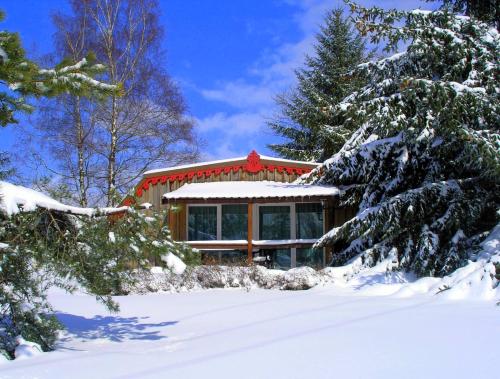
x,y
234,222
281,259
202,223
309,220
225,257
309,257
274,222
233,257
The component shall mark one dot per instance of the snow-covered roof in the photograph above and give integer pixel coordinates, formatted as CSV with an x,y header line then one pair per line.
x,y
223,161
14,199
249,190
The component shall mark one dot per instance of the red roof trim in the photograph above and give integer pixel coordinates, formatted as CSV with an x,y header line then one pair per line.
x,y
253,166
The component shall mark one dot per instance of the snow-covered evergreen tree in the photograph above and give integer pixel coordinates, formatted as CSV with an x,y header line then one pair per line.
x,y
22,78
424,167
484,10
44,243
322,84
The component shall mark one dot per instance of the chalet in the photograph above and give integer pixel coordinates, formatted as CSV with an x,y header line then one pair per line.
x,y
245,209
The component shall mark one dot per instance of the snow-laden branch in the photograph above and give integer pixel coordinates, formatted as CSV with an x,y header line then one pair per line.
x,y
15,199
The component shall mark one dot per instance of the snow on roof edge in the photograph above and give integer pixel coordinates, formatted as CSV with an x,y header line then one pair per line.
x,y
248,190
219,161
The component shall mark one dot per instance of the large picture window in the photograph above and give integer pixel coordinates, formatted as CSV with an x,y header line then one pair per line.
x,y
309,220
202,223
274,222
309,257
281,259
234,222
223,257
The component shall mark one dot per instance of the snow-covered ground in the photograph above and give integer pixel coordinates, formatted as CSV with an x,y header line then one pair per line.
x,y
326,332
353,324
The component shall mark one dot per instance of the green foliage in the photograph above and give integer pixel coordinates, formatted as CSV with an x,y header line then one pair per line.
x,y
98,255
21,78
311,131
424,167
54,189
484,10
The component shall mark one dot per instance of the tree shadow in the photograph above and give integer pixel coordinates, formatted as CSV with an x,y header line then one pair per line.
x,y
272,340
371,280
113,328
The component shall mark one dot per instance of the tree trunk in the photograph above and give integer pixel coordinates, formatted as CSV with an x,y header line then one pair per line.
x,y
112,154
81,157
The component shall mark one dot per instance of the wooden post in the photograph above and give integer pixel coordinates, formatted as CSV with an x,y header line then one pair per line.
x,y
250,233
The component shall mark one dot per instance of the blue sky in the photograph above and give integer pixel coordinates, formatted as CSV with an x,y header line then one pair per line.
x,y
229,57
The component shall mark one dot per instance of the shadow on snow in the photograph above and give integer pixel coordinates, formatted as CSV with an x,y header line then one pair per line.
x,y
113,328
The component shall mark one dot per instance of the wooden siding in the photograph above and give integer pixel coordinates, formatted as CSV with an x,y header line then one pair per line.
x,y
177,223
336,217
155,192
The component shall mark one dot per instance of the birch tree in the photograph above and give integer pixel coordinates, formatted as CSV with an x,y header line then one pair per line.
x,y
102,148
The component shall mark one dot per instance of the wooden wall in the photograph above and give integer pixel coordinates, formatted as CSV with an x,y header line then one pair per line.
x,y
336,217
155,192
177,223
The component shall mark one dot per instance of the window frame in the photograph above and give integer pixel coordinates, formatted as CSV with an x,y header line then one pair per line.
x,y
293,233
256,222
217,215
322,218
220,206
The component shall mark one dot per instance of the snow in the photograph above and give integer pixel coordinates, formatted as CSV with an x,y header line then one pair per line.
x,y
218,242
14,199
156,270
326,332
26,349
248,190
146,205
92,82
254,242
76,66
174,263
285,242
222,161
3,55
353,323
421,12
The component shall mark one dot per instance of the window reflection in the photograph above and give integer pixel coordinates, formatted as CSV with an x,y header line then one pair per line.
x,y
274,222
202,223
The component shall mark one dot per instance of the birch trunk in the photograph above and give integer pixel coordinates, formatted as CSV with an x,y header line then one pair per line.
x,y
112,154
81,154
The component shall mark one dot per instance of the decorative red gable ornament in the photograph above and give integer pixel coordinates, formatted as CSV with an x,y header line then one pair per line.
x,y
253,166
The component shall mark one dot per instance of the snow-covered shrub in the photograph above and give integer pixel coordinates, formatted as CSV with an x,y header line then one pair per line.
x,y
44,243
131,241
423,168
301,278
26,349
246,277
